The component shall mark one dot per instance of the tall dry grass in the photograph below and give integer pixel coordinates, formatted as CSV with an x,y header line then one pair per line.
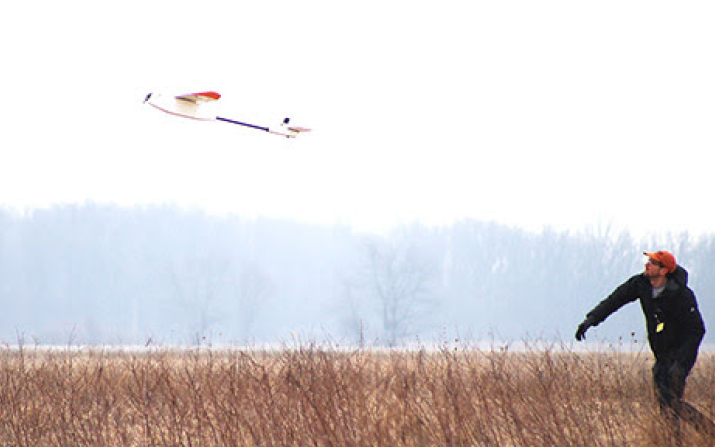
x,y
324,396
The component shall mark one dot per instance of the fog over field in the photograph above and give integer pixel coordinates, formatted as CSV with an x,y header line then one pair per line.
x,y
96,274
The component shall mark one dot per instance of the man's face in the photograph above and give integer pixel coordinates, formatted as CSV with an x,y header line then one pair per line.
x,y
654,269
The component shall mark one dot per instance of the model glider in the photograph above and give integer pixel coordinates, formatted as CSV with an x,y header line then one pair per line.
x,y
189,106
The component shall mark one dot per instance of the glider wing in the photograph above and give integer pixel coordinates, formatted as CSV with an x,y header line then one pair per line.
x,y
199,97
187,106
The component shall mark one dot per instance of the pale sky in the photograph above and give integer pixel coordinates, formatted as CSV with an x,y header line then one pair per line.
x,y
566,113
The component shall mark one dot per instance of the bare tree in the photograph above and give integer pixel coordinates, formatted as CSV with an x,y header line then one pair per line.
x,y
198,283
398,277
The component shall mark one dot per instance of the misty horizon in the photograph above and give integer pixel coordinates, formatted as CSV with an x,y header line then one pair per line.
x,y
104,274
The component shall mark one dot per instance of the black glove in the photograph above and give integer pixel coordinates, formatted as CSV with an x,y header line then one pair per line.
x,y
583,327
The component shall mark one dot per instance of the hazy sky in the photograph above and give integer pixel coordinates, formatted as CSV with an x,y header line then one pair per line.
x,y
562,113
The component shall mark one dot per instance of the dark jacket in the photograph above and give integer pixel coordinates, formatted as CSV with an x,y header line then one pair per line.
x,y
678,339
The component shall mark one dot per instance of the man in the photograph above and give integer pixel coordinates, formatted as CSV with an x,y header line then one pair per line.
x,y
675,326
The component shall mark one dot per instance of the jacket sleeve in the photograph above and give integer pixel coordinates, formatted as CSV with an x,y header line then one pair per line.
x,y
692,320
624,294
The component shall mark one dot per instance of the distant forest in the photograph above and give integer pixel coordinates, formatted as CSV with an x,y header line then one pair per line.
x,y
103,274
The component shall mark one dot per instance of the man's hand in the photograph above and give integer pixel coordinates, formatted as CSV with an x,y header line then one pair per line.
x,y
583,327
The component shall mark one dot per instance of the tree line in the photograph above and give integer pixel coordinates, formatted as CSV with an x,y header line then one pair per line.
x,y
160,274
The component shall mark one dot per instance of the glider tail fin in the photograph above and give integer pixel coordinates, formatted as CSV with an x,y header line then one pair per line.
x,y
289,132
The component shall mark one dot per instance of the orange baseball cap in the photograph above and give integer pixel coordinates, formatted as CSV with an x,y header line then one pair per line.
x,y
665,258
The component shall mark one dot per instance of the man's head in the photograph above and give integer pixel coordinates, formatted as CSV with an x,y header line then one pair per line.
x,y
659,261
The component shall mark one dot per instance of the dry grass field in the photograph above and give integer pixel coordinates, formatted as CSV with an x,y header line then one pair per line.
x,y
329,397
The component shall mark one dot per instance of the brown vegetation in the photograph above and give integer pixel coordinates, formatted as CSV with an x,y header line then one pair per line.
x,y
326,396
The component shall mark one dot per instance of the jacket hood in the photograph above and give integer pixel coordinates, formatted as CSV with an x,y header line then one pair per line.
x,y
680,276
